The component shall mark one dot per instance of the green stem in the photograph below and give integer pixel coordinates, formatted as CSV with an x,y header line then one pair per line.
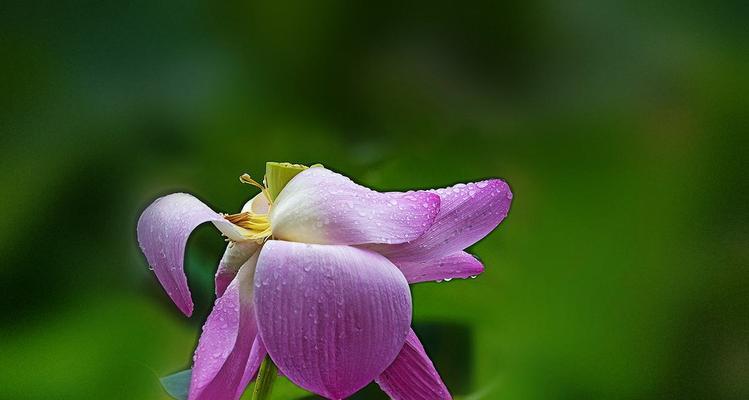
x,y
265,377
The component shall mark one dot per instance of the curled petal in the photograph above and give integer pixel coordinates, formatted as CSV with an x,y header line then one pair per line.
x,y
412,375
236,254
332,317
321,206
223,353
456,265
468,212
163,229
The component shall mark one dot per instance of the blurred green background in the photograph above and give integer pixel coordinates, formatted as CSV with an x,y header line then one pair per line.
x,y
620,273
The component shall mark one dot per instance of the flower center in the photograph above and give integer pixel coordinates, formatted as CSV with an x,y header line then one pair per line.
x,y
256,224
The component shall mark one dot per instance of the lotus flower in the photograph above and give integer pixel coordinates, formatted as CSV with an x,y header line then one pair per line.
x,y
316,276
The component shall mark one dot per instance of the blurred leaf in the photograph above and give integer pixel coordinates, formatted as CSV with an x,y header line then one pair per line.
x,y
178,384
128,337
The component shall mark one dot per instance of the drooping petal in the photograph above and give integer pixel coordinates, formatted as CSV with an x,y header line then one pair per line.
x,y
456,265
468,212
163,229
412,375
332,317
224,349
321,206
236,254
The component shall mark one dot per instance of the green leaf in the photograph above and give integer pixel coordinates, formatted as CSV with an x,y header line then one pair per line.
x,y
178,384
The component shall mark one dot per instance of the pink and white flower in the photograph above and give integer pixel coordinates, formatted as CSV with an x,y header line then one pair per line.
x,y
317,278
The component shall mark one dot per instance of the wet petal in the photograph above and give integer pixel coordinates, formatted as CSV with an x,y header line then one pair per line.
x,y
456,265
412,375
163,229
236,254
321,206
225,346
468,212
331,317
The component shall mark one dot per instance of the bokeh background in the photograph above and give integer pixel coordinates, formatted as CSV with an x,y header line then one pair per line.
x,y
620,273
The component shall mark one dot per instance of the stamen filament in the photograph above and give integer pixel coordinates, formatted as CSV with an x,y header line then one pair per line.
x,y
256,226
246,178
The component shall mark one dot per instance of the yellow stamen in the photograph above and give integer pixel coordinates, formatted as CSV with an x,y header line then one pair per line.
x,y
255,226
249,220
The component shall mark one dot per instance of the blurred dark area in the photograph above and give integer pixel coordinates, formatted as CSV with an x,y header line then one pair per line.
x,y
622,127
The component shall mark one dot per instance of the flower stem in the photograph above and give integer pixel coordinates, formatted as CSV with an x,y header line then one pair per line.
x,y
265,377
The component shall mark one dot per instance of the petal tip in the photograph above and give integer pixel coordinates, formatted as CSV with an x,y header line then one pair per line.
x,y
186,308
499,186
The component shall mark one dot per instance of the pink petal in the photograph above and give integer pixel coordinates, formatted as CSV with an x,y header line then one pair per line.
x,y
236,254
321,206
468,212
412,376
224,349
456,265
163,229
331,317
